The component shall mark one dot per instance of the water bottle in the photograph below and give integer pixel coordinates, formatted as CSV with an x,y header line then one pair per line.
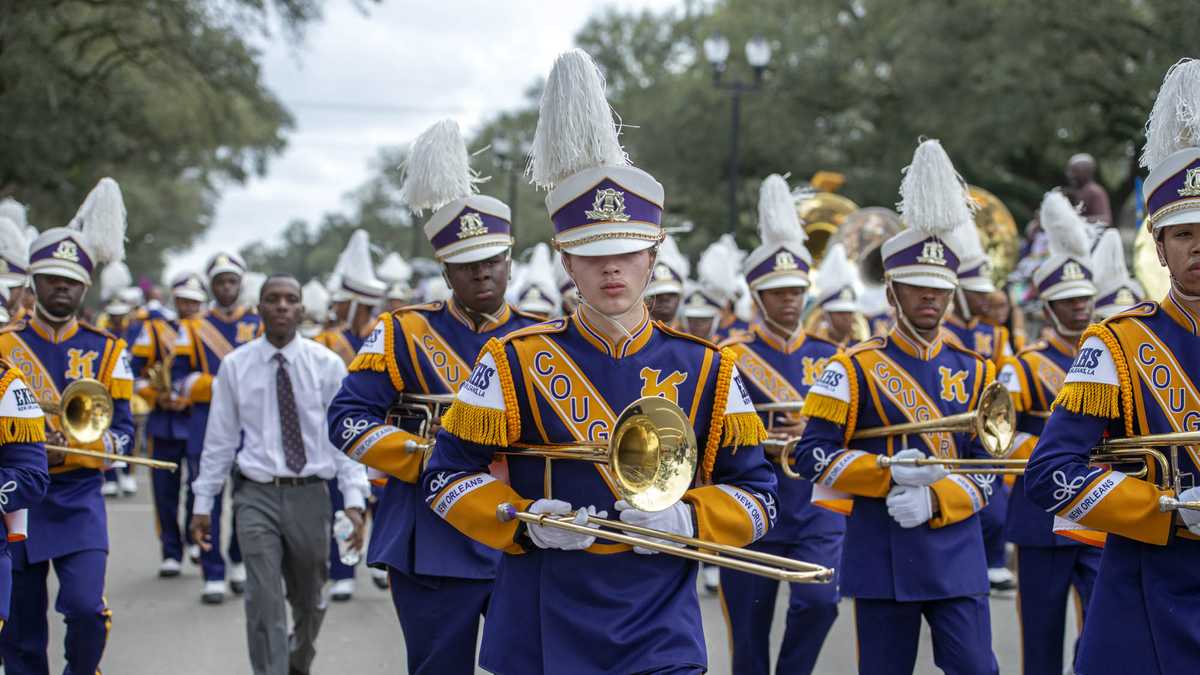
x,y
342,529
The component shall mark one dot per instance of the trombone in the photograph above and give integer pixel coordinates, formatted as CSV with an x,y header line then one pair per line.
x,y
652,456
85,412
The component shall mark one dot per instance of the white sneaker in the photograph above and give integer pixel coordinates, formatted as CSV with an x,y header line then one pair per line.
x,y
380,578
343,590
712,578
170,567
214,593
109,489
193,553
127,483
237,577
1001,579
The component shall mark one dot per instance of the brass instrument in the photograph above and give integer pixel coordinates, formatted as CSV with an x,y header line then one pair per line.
x,y
997,232
822,214
84,413
862,234
652,454
994,422
776,441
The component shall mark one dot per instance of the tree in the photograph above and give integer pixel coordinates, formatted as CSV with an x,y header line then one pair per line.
x,y
166,96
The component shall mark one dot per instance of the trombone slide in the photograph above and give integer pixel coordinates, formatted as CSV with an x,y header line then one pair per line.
x,y
742,560
143,461
995,467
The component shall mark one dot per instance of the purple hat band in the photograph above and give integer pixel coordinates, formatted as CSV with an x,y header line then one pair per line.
x,y
1174,189
12,267
978,271
785,260
606,202
68,250
930,251
467,224
1071,270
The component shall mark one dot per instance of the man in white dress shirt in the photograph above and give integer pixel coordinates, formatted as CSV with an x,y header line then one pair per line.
x,y
275,390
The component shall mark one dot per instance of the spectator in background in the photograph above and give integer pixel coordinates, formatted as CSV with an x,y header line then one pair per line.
x,y
1082,188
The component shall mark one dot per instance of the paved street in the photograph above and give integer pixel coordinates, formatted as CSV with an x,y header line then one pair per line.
x,y
160,627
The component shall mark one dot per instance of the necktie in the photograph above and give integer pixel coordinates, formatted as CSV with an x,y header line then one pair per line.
x,y
289,418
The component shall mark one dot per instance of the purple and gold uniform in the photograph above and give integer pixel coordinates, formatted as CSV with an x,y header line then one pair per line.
x,y
23,474
70,527
424,349
531,388
166,430
195,360
1050,565
989,341
778,371
342,341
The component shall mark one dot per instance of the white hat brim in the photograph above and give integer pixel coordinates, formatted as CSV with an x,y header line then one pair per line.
x,y
477,253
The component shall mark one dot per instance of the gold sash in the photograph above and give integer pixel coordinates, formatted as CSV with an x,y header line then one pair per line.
x,y
37,378
770,381
450,368
1166,379
887,377
212,338
1048,373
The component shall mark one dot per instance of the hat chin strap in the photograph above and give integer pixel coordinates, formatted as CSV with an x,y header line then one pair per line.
x,y
51,315
615,319
908,326
1178,291
960,297
788,334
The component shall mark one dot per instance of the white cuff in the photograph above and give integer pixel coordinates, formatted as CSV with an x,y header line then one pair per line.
x,y
353,499
202,506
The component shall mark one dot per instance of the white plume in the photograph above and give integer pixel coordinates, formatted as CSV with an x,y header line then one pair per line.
x,y
965,242
12,242
316,299
1174,122
560,272
1065,230
670,255
14,211
434,289
252,283
101,219
576,127
393,269
438,169
356,258
933,197
836,270
778,222
718,270
31,233
1108,260
539,272
113,278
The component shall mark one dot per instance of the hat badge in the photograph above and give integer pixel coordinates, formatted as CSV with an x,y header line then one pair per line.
x,y
784,260
846,294
1191,184
609,205
3,265
662,272
222,259
1125,297
932,253
470,225
1072,271
697,300
67,250
192,283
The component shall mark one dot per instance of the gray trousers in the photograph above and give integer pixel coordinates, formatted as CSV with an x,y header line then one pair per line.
x,y
284,535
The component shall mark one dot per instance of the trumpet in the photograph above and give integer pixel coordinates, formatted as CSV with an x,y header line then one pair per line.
x,y
84,413
652,455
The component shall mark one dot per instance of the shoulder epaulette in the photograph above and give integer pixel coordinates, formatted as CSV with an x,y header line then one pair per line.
x,y
1141,309
545,328
877,342
674,332
96,329
1038,346
434,306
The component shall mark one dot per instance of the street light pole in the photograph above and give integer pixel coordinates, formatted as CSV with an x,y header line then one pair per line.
x,y
758,55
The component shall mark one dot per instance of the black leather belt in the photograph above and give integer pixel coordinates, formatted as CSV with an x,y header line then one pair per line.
x,y
284,481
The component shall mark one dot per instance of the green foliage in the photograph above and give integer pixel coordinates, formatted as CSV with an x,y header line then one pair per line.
x,y
166,96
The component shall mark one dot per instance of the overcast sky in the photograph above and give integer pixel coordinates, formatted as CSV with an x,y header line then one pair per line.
x,y
361,81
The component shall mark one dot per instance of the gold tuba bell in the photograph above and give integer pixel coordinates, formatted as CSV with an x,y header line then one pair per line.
x,y
997,232
822,214
863,234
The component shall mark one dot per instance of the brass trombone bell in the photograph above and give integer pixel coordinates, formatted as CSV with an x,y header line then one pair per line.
x,y
994,422
84,413
699,550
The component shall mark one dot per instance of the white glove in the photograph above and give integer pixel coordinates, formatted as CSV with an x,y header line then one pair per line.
x,y
916,476
546,536
1191,517
676,519
910,506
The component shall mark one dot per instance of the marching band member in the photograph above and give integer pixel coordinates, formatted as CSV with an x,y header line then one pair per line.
x,y
779,363
396,273
52,349
912,546
440,580
706,301
366,292
23,471
1050,565
167,423
316,308
666,286
14,256
837,296
195,360
566,602
119,318
537,292
1115,289
1134,376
